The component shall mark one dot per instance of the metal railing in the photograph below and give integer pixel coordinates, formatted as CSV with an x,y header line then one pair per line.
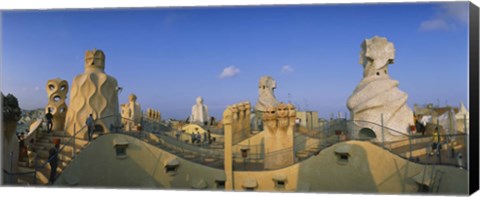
x,y
253,157
411,146
416,147
179,143
167,139
39,167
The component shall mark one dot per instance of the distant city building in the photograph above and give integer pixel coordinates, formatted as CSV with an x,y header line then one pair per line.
x,y
131,113
308,119
446,116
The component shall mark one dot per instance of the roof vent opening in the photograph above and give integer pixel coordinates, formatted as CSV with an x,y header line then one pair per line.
x,y
171,167
120,145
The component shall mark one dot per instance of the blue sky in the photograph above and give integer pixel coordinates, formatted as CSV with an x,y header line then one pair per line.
x,y
169,56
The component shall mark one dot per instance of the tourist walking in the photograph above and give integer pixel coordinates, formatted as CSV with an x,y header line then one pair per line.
x,y
90,127
22,147
49,119
205,138
436,146
199,138
459,160
209,136
177,135
31,153
419,126
53,161
192,136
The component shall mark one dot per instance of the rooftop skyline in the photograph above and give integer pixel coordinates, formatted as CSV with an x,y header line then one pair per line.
x,y
169,56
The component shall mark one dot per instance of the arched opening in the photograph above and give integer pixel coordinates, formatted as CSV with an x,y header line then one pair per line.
x,y
57,98
98,128
366,134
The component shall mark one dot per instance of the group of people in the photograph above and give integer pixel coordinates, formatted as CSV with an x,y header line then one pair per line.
x,y
436,137
438,140
24,149
196,138
89,122
30,151
420,127
54,151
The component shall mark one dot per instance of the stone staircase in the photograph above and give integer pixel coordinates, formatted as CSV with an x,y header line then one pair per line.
x,y
44,142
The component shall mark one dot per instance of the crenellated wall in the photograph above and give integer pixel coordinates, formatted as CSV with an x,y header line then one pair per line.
x,y
153,115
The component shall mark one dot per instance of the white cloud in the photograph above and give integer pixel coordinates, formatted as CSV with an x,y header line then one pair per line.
x,y
456,11
286,69
448,17
229,72
435,24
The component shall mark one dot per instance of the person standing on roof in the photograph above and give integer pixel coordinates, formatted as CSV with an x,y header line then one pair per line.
x,y
49,119
205,138
53,160
436,146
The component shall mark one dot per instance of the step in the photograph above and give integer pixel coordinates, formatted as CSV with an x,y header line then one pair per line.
x,y
63,140
25,169
27,179
24,159
61,156
56,133
61,164
44,140
42,176
47,167
66,149
38,148
23,164
59,168
313,150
